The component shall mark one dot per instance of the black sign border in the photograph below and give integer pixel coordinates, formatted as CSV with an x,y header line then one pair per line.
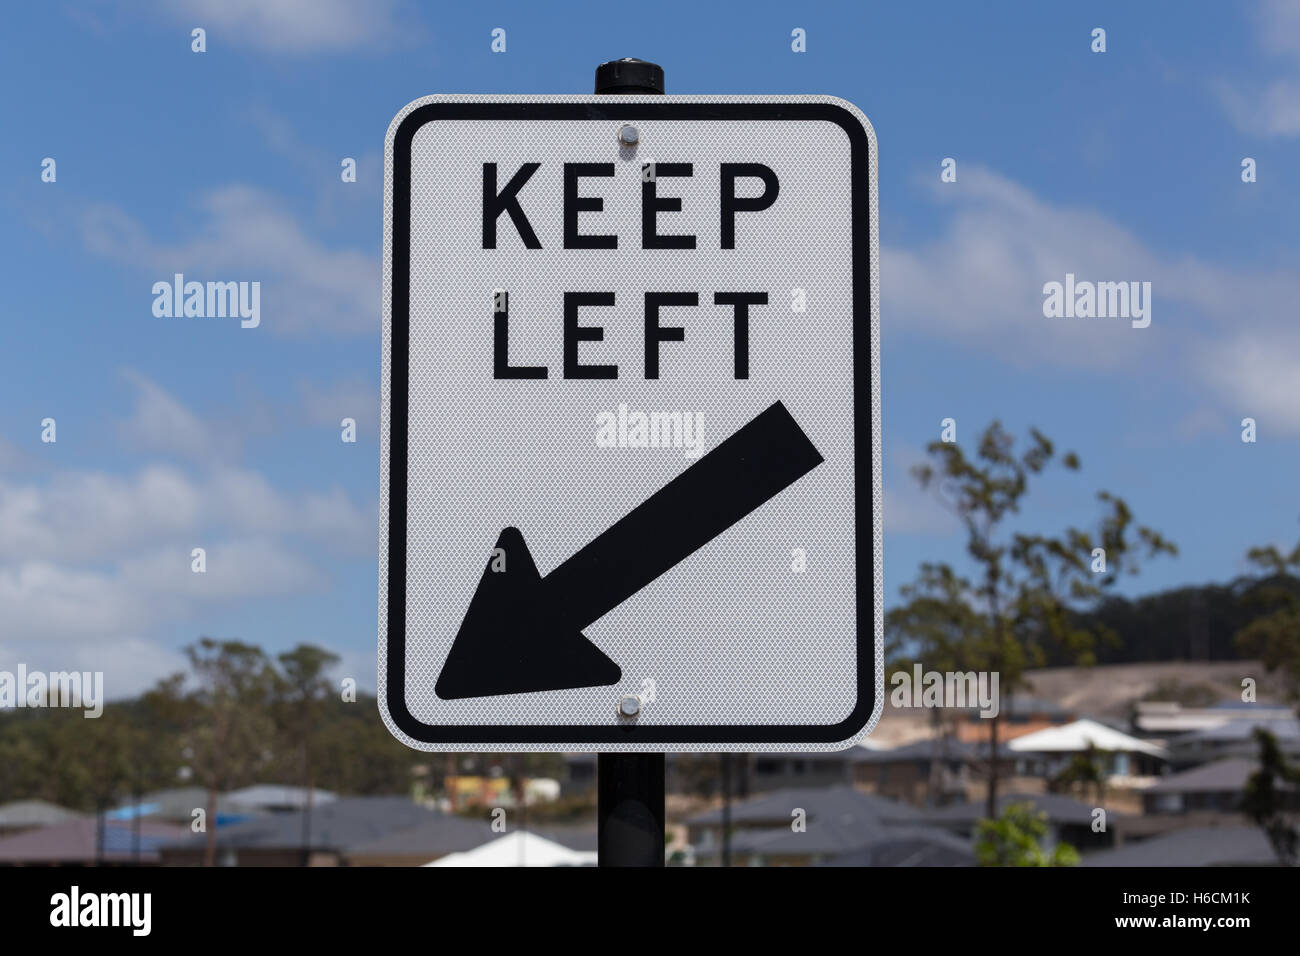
x,y
617,109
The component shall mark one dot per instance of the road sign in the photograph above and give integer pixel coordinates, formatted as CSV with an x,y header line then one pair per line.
x,y
630,446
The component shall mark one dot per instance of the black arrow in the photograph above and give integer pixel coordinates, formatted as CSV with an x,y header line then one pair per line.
x,y
523,632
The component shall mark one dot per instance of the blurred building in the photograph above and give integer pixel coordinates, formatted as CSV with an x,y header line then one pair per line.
x,y
23,815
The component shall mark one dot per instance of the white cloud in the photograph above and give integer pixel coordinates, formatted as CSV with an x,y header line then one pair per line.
x,y
1270,108
80,516
328,405
160,422
246,235
130,665
980,281
47,601
92,556
1258,374
293,26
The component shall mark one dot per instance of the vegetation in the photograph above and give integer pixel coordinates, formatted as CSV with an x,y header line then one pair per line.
x,y
1270,793
1273,633
1015,839
1022,607
234,720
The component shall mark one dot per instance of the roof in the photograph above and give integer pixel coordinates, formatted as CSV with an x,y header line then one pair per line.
x,y
1076,736
521,848
1059,809
34,813
267,795
443,833
910,846
928,748
342,824
1283,729
820,803
75,842
1229,774
1194,846
179,803
835,838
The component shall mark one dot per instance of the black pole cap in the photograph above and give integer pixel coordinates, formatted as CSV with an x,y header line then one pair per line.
x,y
629,75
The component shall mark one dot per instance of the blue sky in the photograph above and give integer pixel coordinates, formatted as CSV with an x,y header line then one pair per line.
x,y
1123,165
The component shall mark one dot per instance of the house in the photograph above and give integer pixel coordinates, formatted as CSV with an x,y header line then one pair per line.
x,y
23,815
1216,787
520,848
429,840
88,841
1068,820
813,826
1019,716
1194,846
177,805
1127,761
766,772
277,798
934,771
278,839
1160,718
832,842
1234,738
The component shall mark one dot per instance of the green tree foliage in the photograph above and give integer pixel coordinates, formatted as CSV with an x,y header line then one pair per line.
x,y
234,719
1022,603
1085,771
1270,794
1190,623
1274,636
1015,839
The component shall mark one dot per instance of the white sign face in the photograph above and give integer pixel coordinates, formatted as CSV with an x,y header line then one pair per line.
x,y
630,449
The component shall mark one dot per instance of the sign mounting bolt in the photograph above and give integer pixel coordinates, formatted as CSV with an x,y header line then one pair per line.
x,y
628,135
629,706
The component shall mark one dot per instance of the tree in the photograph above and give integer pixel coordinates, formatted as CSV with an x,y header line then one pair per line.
x,y
230,724
1015,839
302,693
1274,636
1029,588
1085,770
1269,792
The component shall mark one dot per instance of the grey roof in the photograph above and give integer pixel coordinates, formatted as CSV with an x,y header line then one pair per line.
x,y
179,803
575,836
926,749
34,813
76,841
265,795
1194,846
346,822
835,838
448,833
1059,809
1286,729
1229,774
820,803
442,833
910,846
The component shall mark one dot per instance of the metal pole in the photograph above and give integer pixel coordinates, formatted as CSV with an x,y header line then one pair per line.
x,y
630,786
630,809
